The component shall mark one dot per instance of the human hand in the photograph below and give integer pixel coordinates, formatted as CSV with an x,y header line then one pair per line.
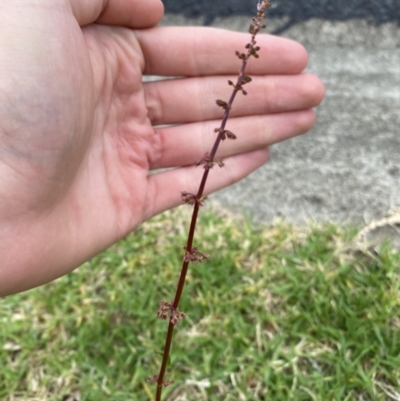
x,y
80,132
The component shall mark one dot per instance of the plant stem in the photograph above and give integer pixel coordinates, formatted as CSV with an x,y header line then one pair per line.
x,y
251,51
189,244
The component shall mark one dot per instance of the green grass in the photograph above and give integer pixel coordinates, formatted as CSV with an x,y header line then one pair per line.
x,y
277,313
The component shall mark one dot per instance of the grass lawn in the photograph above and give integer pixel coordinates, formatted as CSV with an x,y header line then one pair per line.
x,y
277,313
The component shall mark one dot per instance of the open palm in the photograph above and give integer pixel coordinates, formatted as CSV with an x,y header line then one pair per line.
x,y
80,131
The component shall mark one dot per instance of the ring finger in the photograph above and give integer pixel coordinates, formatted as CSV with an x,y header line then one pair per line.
x,y
185,144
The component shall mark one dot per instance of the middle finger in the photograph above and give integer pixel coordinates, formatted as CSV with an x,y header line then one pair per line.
x,y
186,100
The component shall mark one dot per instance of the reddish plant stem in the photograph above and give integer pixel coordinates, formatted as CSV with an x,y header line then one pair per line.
x,y
252,49
167,348
225,119
178,294
189,244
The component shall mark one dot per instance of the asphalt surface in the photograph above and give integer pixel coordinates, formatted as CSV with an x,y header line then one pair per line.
x,y
294,11
347,169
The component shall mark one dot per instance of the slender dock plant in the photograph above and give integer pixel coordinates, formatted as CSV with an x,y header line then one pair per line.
x,y
170,310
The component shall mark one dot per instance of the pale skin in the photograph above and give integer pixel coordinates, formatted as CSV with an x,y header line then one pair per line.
x,y
78,128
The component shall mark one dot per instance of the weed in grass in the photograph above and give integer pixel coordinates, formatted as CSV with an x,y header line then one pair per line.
x,y
168,310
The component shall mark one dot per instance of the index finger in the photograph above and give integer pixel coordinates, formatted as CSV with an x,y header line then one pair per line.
x,y
133,14
196,51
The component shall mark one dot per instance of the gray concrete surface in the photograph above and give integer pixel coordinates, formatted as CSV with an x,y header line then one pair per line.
x,y
348,167
375,11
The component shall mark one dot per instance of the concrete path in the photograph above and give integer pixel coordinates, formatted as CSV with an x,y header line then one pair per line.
x,y
348,167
